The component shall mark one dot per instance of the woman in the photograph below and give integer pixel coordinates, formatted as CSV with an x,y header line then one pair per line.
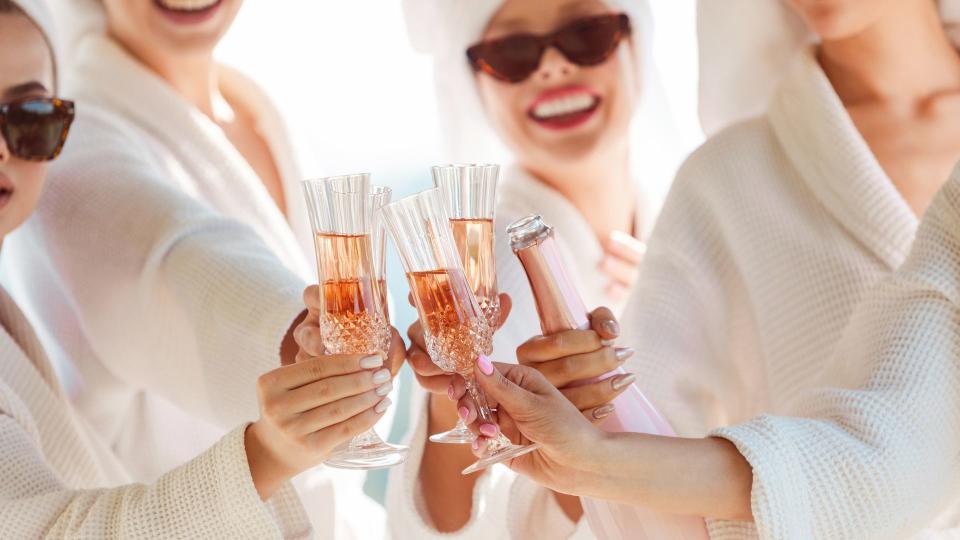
x,y
60,479
873,457
174,308
774,229
570,119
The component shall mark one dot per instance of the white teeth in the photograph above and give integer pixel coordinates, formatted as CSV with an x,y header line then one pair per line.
x,y
564,105
188,5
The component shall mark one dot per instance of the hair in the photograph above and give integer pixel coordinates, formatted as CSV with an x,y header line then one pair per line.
x,y
11,8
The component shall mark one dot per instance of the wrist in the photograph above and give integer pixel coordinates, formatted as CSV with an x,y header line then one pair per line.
x,y
267,470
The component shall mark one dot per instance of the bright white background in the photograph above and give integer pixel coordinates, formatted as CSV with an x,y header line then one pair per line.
x,y
358,98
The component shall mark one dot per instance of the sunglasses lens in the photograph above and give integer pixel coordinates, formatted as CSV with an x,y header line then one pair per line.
x,y
512,59
34,129
588,42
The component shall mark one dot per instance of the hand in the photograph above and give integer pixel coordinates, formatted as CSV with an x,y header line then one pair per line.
x,y
621,263
543,415
309,408
432,378
310,339
566,358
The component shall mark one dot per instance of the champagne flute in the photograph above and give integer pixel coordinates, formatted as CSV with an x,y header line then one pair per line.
x,y
454,327
469,193
379,197
352,319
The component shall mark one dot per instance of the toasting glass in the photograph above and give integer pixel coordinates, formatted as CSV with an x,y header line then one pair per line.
x,y
469,194
379,197
352,314
454,327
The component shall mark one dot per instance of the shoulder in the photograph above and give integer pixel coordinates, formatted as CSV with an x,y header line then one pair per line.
x,y
101,139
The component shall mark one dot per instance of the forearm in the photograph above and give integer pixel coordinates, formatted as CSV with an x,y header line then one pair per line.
x,y
447,494
704,477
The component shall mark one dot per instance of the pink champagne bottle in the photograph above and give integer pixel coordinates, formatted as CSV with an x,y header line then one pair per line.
x,y
561,308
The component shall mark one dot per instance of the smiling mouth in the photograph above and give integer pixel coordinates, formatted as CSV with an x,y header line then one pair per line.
x,y
187,6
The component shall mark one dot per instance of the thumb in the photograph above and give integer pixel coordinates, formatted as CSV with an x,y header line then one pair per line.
x,y
516,388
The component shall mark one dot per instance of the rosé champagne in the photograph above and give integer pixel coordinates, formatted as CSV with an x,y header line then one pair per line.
x,y
474,242
454,330
352,317
560,308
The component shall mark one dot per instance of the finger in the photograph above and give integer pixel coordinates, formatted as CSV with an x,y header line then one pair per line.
x,y
506,306
457,388
421,363
415,333
410,299
604,323
516,388
435,385
467,409
580,367
599,415
338,434
310,339
318,368
329,414
598,393
315,394
398,352
621,272
626,247
554,346
311,298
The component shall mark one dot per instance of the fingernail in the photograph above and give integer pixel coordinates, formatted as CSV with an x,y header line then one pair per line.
x,y
612,327
463,412
623,380
486,367
624,352
450,395
384,389
371,362
488,430
603,412
381,376
382,406
475,444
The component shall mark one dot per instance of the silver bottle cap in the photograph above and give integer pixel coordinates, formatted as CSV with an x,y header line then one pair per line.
x,y
528,231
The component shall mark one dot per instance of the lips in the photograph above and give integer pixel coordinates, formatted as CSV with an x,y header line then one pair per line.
x,y
188,11
564,108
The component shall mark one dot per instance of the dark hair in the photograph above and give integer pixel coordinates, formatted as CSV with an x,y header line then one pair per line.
x,y
11,7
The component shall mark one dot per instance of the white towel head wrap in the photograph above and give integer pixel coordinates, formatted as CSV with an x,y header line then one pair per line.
x,y
42,15
746,47
445,28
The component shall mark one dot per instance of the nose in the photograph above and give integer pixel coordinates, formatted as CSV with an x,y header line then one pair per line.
x,y
554,66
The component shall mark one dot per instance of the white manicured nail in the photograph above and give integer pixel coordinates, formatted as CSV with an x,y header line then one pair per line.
x,y
384,389
371,362
381,376
382,406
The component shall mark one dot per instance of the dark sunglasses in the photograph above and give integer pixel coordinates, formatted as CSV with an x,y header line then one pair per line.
x,y
36,128
586,42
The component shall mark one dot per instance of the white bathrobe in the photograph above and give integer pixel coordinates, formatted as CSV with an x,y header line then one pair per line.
x,y
61,481
158,267
770,237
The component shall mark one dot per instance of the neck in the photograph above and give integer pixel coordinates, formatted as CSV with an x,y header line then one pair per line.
x,y
905,55
601,188
192,76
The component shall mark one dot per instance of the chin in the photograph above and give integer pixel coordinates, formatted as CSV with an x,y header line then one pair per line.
x,y
835,21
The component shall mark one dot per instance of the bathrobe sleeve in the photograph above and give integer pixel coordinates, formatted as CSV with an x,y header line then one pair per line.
x,y
879,461
212,496
172,296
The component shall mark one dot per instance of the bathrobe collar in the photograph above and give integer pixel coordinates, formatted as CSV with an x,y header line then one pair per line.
x,y
112,78
824,145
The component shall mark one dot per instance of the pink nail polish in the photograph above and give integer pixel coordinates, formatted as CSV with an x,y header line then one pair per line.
x,y
476,444
464,412
488,430
486,367
450,393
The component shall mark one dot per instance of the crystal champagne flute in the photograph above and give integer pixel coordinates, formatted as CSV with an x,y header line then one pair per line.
x,y
454,327
469,193
352,313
